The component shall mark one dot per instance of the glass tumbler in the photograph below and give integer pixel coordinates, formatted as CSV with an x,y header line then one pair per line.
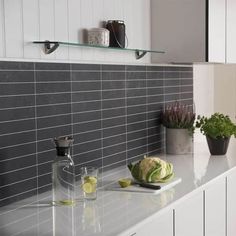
x,y
89,179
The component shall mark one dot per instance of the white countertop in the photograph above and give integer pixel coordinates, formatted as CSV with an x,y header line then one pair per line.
x,y
114,212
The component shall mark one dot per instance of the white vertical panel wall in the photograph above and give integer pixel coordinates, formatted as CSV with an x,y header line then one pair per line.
x,y
2,30
23,21
31,27
13,28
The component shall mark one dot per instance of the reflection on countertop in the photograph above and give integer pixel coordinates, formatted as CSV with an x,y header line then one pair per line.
x,y
113,212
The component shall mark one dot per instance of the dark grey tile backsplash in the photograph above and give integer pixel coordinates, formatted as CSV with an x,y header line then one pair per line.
x,y
112,111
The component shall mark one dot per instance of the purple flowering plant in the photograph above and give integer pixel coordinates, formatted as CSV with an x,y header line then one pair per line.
x,y
178,116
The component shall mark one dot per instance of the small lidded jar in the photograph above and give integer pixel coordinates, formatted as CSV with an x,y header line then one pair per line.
x,y
98,36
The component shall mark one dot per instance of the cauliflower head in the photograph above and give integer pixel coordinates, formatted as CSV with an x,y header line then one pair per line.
x,y
152,170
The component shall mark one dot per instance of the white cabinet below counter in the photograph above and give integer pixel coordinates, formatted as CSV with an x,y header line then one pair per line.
x,y
158,225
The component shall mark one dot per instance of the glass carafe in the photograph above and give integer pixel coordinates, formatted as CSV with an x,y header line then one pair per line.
x,y
63,173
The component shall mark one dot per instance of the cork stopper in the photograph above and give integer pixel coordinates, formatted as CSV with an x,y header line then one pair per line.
x,y
63,144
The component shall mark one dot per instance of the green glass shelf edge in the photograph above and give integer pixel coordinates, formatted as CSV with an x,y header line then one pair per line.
x,y
96,46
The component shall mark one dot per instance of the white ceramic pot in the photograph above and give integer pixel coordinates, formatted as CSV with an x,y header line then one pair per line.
x,y
99,37
178,141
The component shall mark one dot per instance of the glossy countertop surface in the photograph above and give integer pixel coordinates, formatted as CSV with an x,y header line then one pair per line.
x,y
115,212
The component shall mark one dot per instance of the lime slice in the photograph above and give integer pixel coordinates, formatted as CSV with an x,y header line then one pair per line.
x,y
89,187
124,182
90,179
67,202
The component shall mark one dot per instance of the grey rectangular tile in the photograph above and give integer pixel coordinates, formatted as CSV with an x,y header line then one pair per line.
x,y
111,75
86,76
155,91
52,66
155,83
85,127
86,147
136,101
10,65
113,94
136,135
45,168
54,132
109,113
136,84
16,76
87,116
155,76
17,163
17,126
49,76
171,75
168,90
135,68
114,131
108,151
112,159
154,107
43,99
106,85
13,152
17,101
82,159
136,118
86,86
155,148
54,121
87,67
113,122
136,109
44,181
188,74
114,140
17,176
16,89
113,67
136,92
155,68
60,87
137,143
137,152
186,82
43,146
46,157
14,139
135,76
88,96
86,137
136,126
20,196
113,165
186,95
113,103
53,110
154,114
172,97
86,106
188,88
172,82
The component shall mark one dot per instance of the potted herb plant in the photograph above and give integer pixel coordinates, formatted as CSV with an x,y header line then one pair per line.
x,y
179,122
218,129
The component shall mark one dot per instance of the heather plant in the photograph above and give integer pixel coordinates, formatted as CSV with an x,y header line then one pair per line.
x,y
178,116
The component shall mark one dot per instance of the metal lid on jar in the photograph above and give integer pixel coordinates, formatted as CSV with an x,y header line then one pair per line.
x,y
115,21
63,141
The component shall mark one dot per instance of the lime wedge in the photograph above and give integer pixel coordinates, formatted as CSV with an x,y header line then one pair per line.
x,y
124,182
67,202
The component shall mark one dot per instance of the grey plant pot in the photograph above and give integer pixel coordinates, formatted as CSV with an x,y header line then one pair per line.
x,y
178,141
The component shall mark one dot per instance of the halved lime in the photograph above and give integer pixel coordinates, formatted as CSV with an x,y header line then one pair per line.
x,y
90,179
124,182
89,187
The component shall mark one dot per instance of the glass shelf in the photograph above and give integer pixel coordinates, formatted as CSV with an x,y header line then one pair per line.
x,y
51,46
